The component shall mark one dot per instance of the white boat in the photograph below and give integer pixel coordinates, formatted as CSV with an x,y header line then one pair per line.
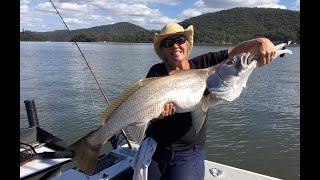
x,y
53,163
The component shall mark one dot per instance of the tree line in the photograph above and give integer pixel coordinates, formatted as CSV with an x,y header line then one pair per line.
x,y
226,27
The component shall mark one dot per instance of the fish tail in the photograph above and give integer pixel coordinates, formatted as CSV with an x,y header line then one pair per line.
x,y
85,154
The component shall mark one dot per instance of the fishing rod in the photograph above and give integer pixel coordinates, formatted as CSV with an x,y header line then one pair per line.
x,y
104,95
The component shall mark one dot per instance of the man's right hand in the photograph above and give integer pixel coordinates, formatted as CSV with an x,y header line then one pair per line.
x,y
169,110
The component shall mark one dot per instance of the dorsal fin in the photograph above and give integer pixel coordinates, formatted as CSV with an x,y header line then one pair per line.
x,y
118,100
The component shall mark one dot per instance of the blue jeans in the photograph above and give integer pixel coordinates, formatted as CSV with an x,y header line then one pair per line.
x,y
179,165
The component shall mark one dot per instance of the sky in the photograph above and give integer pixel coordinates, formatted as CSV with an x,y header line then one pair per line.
x,y
41,16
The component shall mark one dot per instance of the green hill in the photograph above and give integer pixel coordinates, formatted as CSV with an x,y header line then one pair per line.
x,y
226,26
240,24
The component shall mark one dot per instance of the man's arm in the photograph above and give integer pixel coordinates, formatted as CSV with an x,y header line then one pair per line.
x,y
261,47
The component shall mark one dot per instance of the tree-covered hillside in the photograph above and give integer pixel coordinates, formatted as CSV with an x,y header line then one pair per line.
x,y
240,24
226,26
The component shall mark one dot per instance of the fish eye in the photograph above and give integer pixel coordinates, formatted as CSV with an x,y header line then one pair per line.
x,y
230,62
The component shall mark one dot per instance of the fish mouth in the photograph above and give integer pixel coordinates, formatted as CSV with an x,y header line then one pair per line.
x,y
248,60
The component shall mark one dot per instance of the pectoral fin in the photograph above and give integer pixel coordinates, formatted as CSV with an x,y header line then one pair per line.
x,y
137,131
199,115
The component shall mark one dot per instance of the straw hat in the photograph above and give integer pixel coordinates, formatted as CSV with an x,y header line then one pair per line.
x,y
169,30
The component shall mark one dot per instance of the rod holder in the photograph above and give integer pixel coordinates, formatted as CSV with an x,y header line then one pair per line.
x,y
32,113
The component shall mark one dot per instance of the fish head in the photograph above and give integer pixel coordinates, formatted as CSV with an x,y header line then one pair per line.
x,y
227,79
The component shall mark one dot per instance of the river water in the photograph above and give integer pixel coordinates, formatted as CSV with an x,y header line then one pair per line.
x,y
259,131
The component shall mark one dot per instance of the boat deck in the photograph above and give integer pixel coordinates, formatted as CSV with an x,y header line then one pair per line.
x,y
116,165
214,171
38,165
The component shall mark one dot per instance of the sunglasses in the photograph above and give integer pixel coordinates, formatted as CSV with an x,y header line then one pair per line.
x,y
170,42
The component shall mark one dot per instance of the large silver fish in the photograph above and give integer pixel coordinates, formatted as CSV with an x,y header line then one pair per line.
x,y
144,100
